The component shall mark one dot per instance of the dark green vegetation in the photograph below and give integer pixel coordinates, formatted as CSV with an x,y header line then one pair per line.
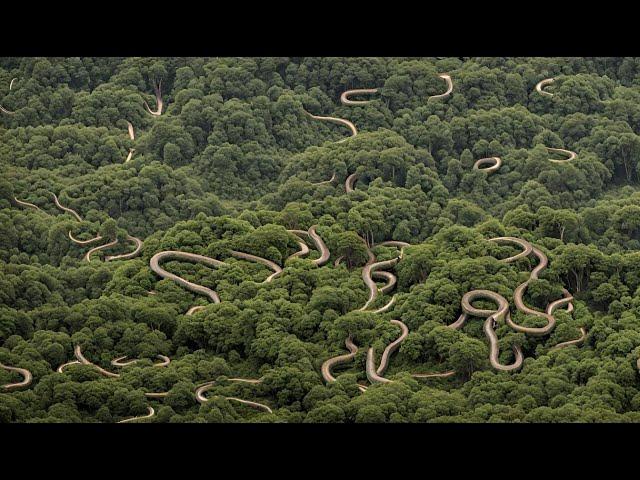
x,y
230,165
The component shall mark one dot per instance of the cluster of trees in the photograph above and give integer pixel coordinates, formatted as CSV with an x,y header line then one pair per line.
x,y
233,163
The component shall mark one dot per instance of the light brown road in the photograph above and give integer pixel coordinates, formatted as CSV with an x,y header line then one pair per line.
x,y
344,98
527,248
151,413
65,365
87,256
81,358
118,362
209,385
66,209
340,121
154,263
543,83
277,271
392,347
131,152
320,245
368,269
158,91
447,79
495,162
331,180
492,318
4,110
330,363
577,341
126,256
570,155
389,277
26,380
29,205
349,182
304,249
132,135
84,242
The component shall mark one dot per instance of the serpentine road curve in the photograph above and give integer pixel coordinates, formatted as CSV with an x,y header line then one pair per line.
x,y
81,358
84,242
151,413
126,256
331,180
340,121
155,261
209,385
543,83
304,249
4,110
321,246
117,362
349,182
495,162
492,317
570,155
329,364
30,205
272,265
66,209
26,381
577,341
65,365
447,79
87,256
344,98
158,91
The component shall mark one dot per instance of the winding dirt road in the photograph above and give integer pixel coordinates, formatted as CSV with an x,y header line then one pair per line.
x,y
495,162
65,365
84,242
543,83
447,79
81,358
155,261
151,413
518,294
340,121
392,347
320,245
132,136
26,380
349,182
272,265
158,91
209,385
344,98
126,256
387,306
304,249
4,110
330,363
29,205
117,362
87,256
492,318
570,155
331,180
66,209
390,278
577,341
367,270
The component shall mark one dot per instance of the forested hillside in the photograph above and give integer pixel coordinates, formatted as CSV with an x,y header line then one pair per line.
x,y
319,240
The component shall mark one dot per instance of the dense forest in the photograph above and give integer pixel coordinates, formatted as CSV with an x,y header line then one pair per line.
x,y
325,239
